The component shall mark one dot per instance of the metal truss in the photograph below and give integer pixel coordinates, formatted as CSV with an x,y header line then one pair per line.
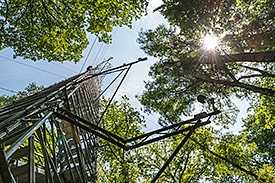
x,y
187,127
37,146
51,136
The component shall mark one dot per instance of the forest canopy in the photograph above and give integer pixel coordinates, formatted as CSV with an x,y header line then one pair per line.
x,y
186,69
57,30
241,66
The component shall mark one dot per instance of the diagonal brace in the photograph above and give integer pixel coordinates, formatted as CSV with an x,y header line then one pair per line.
x,y
175,152
89,129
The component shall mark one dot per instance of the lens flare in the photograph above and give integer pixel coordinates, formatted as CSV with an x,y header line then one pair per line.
x,y
210,42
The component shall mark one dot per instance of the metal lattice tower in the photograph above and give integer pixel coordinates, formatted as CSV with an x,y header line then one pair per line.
x,y
36,146
51,135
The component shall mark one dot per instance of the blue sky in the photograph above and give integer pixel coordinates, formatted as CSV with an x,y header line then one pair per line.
x,y
123,49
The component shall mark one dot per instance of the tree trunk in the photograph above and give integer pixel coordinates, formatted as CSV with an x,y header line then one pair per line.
x,y
256,89
268,56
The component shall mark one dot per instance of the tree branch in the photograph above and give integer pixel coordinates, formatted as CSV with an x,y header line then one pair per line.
x,y
192,178
188,87
57,9
21,16
256,89
226,160
229,73
113,152
268,56
47,10
6,18
251,76
185,166
264,73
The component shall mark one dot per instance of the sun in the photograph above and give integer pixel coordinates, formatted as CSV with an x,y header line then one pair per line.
x,y
210,42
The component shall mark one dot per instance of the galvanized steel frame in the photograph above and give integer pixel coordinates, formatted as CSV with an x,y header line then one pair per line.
x,y
63,119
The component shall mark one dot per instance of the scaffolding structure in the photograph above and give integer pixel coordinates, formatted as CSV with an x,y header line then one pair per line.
x,y
36,146
51,136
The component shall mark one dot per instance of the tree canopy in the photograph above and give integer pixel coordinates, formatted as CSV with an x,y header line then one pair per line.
x,y
241,66
114,163
185,69
246,24
209,155
30,89
57,30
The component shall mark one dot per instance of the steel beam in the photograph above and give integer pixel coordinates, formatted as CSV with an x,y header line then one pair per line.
x,y
87,128
26,135
93,126
4,167
31,172
175,152
167,135
196,117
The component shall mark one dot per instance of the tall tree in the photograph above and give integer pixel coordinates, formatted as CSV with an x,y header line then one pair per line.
x,y
57,30
242,66
259,128
114,163
186,69
245,23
